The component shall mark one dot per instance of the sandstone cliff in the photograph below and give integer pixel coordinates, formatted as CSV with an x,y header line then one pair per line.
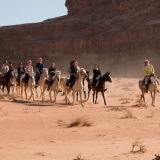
x,y
117,34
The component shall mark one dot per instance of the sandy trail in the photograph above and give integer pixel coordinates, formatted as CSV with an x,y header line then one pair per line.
x,y
31,130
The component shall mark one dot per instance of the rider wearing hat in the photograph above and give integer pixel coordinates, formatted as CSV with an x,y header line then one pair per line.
x,y
148,71
96,74
40,67
73,71
51,71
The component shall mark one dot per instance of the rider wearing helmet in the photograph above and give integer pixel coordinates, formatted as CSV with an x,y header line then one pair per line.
x,y
73,71
40,67
5,68
51,71
148,71
21,72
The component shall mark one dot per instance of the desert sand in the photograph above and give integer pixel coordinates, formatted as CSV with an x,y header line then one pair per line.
x,y
32,130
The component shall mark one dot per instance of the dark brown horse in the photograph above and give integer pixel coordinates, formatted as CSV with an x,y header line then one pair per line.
x,y
6,80
100,86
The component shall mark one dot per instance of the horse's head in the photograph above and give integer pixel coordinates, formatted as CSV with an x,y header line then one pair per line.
x,y
152,78
45,72
83,73
108,77
10,74
58,75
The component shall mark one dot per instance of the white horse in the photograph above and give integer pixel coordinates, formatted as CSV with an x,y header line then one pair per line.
x,y
30,85
54,87
152,89
41,81
77,87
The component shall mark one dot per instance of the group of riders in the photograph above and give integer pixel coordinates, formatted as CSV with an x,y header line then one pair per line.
x,y
72,70
27,71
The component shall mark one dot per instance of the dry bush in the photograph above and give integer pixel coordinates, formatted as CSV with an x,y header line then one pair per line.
x,y
128,114
151,115
78,157
80,122
157,157
118,108
138,147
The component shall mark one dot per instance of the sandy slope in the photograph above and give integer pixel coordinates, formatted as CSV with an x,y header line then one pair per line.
x,y
32,131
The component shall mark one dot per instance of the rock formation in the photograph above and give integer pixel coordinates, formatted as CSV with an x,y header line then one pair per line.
x,y
117,34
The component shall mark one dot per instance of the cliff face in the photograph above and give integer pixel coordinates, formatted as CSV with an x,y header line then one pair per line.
x,y
117,34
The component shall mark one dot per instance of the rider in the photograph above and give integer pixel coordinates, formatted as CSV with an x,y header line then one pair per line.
x,y
40,67
5,68
73,71
148,70
21,72
51,71
28,71
10,65
96,75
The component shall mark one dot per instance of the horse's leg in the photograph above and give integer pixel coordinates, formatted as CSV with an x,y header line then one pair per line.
x,y
25,91
96,97
80,94
44,88
153,98
36,92
73,94
93,95
55,96
8,89
84,94
41,90
77,96
32,95
104,98
22,87
50,95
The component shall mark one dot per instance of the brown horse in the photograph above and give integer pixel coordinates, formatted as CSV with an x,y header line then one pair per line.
x,y
100,86
6,80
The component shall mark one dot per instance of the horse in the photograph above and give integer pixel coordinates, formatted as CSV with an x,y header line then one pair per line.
x,y
14,81
77,87
54,87
6,80
152,87
30,85
41,81
87,79
100,86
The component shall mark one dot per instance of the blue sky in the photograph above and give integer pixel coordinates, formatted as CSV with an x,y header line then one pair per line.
x,y
14,12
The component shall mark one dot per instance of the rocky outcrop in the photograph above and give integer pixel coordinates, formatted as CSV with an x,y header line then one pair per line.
x,y
117,34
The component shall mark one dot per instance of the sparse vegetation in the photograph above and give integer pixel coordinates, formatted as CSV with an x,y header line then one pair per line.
x,y
151,115
80,122
128,114
157,157
77,122
118,108
138,147
78,157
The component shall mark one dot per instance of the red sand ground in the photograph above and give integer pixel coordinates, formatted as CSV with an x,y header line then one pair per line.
x,y
31,130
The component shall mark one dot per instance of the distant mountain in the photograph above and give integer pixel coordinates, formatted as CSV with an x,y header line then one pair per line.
x,y
117,34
